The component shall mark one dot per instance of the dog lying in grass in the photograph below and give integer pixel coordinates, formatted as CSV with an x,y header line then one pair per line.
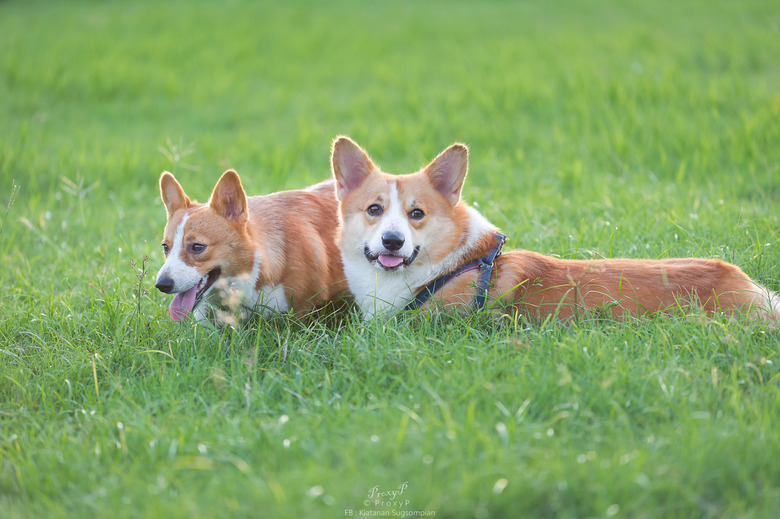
x,y
236,255
409,240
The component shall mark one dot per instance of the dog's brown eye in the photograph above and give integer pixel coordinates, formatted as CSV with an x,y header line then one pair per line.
x,y
166,250
374,210
416,214
197,248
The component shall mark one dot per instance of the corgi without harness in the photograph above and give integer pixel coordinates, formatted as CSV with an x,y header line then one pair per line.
x,y
238,254
409,238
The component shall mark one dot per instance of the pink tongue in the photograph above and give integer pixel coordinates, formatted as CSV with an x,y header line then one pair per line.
x,y
390,261
182,303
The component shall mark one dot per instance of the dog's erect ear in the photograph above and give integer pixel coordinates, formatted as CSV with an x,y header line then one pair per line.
x,y
351,165
172,194
448,171
229,198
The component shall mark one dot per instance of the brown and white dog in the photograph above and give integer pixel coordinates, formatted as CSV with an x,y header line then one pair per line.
x,y
401,233
236,255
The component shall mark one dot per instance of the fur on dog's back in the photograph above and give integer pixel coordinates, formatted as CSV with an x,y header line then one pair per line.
x,y
541,286
299,244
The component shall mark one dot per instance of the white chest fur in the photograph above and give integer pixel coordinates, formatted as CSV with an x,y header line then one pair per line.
x,y
377,291
237,297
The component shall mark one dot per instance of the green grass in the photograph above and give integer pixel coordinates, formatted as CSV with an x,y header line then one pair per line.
x,y
596,129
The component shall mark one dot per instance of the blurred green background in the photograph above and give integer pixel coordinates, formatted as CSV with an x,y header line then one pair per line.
x,y
596,128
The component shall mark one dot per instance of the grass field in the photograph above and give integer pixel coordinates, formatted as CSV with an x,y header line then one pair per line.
x,y
641,129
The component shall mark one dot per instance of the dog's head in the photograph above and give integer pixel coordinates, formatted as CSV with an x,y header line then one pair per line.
x,y
201,242
404,221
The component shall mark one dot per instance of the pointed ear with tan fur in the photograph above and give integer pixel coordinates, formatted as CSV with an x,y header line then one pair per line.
x,y
351,165
447,172
172,194
229,199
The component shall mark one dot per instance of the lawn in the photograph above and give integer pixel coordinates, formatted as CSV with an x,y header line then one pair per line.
x,y
596,129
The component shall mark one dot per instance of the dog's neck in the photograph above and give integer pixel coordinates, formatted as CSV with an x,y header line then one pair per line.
x,y
476,241
378,292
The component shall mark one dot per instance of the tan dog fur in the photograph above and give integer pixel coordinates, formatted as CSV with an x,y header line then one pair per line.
x,y
452,234
274,253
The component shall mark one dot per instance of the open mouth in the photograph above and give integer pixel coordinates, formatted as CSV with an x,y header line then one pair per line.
x,y
184,302
390,262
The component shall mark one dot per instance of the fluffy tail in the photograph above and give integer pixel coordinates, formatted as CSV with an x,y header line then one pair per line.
x,y
767,304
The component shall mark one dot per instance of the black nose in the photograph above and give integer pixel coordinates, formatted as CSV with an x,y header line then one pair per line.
x,y
393,240
164,285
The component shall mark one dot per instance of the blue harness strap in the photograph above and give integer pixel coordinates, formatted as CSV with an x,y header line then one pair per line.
x,y
486,270
485,266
